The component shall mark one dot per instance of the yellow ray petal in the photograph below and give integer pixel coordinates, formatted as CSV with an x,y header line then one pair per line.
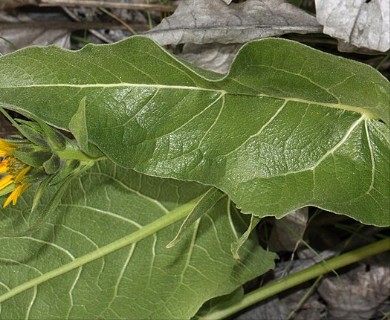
x,y
19,177
6,181
3,166
14,196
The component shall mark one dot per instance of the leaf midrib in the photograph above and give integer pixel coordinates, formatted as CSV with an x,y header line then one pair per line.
x,y
220,92
174,216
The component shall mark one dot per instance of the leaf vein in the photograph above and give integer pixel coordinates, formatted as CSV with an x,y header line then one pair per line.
x,y
277,112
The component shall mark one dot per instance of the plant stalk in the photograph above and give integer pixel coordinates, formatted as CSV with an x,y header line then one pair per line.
x,y
74,155
293,280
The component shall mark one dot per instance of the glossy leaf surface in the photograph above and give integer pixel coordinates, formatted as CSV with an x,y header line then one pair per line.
x,y
141,281
288,127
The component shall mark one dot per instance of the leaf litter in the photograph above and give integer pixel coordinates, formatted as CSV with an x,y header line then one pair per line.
x,y
205,21
357,24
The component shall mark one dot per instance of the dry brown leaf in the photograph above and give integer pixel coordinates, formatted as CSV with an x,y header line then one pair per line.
x,y
207,21
289,230
13,37
359,23
213,56
356,294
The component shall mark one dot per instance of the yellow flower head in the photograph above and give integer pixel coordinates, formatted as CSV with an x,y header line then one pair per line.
x,y
12,172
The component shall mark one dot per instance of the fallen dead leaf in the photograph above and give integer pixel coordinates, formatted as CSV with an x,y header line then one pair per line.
x,y
213,56
360,23
208,21
289,230
13,37
356,294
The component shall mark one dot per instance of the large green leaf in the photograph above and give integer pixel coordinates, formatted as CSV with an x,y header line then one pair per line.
x,y
142,281
289,126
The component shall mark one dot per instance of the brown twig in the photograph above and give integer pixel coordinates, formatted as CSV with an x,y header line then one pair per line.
x,y
106,4
70,25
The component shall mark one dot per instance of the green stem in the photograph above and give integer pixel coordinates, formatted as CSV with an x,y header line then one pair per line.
x,y
299,278
150,229
73,155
